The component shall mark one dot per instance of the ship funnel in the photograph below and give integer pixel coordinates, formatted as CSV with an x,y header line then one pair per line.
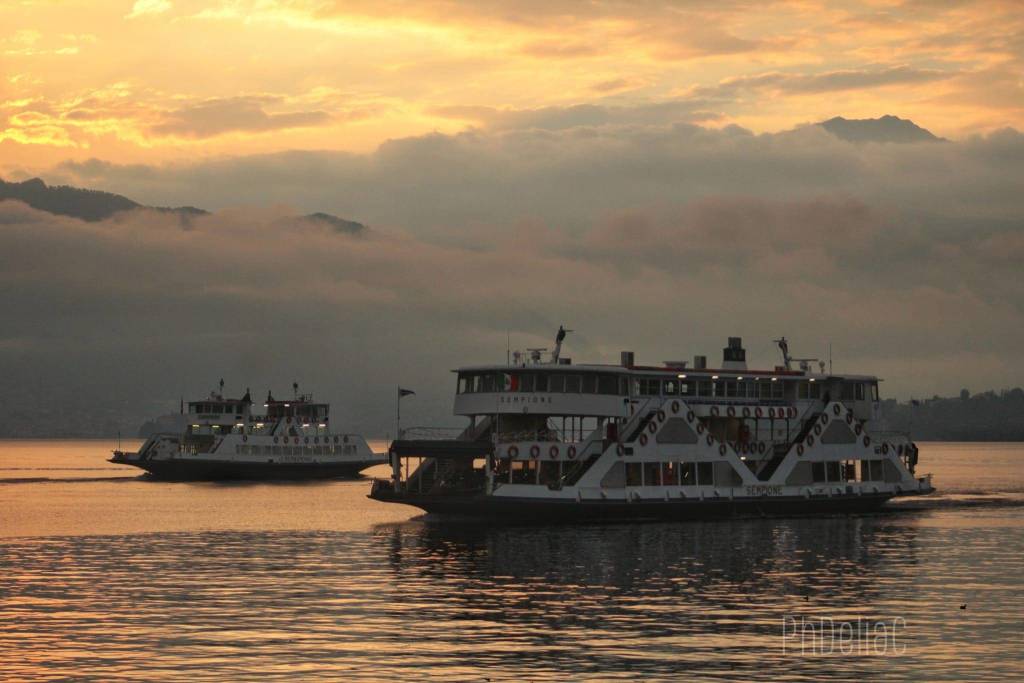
x,y
734,356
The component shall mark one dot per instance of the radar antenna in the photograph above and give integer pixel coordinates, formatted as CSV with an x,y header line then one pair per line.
x,y
784,347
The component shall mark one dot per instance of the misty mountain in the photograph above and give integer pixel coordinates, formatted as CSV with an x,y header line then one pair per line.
x,y
88,205
886,129
96,205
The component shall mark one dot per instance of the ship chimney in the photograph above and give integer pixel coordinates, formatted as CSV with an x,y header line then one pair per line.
x,y
700,362
734,356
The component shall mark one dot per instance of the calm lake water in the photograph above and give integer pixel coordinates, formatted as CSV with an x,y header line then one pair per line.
x,y
108,576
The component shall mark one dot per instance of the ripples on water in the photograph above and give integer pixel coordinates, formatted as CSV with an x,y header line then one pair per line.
x,y
370,599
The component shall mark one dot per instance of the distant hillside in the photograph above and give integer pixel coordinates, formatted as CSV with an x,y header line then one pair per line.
x,y
982,417
94,205
886,129
88,205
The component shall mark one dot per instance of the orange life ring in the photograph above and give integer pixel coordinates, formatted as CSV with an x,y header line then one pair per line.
x,y
335,439
621,450
690,416
534,451
700,428
824,418
857,429
771,413
296,439
651,427
758,412
709,439
513,451
661,416
553,451
721,450
307,439
849,418
817,429
885,449
761,448
245,438
810,440
714,411
867,440
675,407
571,452
731,411
799,449
643,439
275,439
746,411
836,409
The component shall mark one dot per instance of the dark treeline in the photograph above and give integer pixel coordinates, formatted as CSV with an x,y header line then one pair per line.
x,y
988,416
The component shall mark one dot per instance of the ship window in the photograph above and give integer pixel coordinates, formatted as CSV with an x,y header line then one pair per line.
x,y
814,391
730,389
704,387
802,390
874,392
589,384
465,382
548,472
832,471
572,384
652,474
705,473
607,384
847,391
670,474
633,473
623,386
486,383
684,389
859,392
687,473
540,382
669,387
526,382
778,389
764,390
818,472
557,384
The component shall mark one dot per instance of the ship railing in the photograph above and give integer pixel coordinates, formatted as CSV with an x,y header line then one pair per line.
x,y
890,435
431,433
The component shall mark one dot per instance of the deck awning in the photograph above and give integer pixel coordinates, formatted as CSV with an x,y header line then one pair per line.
x,y
452,449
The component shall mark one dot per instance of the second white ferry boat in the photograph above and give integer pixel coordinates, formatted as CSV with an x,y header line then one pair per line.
x,y
552,441
225,438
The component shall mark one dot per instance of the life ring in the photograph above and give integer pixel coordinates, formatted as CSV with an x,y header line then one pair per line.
x,y
746,411
620,450
792,412
810,440
534,451
771,413
721,450
689,416
296,439
799,449
275,439
335,439
571,452
316,439
731,411
758,412
825,418
307,439
643,439
867,440
700,428
245,438
817,429
714,411
344,439
710,439
857,429
651,427
761,448
553,451
513,451
661,416
885,449
849,418
836,409
675,407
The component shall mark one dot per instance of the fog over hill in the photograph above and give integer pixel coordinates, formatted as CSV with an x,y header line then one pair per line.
x,y
638,229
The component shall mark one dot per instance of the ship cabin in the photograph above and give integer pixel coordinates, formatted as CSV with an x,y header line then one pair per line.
x,y
218,416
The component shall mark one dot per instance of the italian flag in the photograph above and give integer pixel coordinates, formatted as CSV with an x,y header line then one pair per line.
x,y
511,382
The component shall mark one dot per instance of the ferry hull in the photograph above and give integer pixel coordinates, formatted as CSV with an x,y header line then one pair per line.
x,y
182,470
536,510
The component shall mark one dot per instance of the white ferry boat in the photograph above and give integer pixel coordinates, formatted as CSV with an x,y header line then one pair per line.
x,y
224,438
551,440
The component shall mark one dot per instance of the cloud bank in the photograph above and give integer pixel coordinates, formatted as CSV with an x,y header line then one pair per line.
x,y
663,239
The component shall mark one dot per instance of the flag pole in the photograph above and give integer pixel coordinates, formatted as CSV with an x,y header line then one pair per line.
x,y
398,412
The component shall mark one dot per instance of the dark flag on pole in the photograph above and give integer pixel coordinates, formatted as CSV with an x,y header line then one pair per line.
x,y
406,392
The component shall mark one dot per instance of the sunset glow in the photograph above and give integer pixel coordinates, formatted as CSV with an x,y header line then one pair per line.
x,y
161,80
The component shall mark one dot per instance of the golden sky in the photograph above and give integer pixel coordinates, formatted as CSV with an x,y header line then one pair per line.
x,y
155,81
